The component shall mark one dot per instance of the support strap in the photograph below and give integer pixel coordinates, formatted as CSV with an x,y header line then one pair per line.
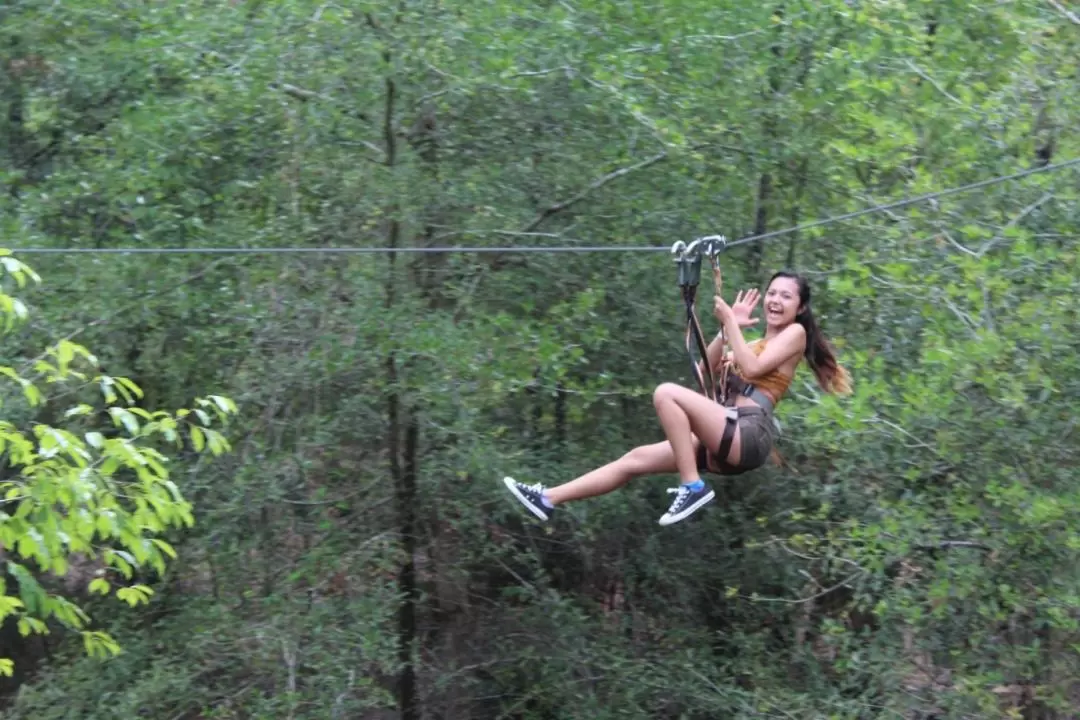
x,y
701,369
728,437
747,389
688,259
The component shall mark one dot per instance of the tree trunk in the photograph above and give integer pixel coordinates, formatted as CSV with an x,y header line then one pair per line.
x,y
402,464
796,202
13,96
407,496
765,181
761,214
560,414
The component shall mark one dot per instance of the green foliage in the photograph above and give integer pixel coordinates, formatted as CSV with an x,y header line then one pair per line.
x,y
914,556
87,491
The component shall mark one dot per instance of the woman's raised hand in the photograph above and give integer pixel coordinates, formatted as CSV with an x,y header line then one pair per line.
x,y
744,305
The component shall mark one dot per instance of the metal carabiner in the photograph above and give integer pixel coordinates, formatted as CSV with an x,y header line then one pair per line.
x,y
713,245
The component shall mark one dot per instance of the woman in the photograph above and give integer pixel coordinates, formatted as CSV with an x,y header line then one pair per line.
x,y
703,435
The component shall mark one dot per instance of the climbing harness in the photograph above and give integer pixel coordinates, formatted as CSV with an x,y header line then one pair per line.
x,y
688,261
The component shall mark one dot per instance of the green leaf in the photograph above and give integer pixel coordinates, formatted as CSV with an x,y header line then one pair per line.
x,y
9,605
29,625
122,416
32,394
130,386
99,585
99,644
197,438
135,594
81,409
165,547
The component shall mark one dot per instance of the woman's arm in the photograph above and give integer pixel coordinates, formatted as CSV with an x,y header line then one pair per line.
x,y
742,309
789,343
715,352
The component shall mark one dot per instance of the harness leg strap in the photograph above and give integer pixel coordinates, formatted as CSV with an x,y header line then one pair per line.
x,y
728,437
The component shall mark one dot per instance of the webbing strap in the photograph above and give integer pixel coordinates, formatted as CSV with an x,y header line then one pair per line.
x,y
728,437
702,371
752,392
688,259
718,284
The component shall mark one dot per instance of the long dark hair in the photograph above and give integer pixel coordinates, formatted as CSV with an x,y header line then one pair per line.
x,y
820,355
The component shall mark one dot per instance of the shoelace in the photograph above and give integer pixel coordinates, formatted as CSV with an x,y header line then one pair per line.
x,y
683,492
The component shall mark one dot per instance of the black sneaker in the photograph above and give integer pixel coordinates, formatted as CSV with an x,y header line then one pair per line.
x,y
530,497
686,503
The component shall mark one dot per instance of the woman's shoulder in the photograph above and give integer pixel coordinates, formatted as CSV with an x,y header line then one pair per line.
x,y
794,336
794,330
797,333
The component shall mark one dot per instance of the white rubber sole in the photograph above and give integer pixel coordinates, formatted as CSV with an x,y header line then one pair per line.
x,y
672,519
511,485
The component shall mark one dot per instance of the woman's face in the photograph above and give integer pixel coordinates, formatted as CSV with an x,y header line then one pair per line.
x,y
781,303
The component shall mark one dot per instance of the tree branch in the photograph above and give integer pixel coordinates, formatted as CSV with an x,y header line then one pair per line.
x,y
947,544
508,233
1019,216
298,92
918,71
592,187
962,248
1065,11
815,596
919,442
536,73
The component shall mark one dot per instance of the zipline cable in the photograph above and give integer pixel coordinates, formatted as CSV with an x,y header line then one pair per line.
x,y
541,249
903,203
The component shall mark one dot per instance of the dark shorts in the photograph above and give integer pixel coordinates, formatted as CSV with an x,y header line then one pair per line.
x,y
757,436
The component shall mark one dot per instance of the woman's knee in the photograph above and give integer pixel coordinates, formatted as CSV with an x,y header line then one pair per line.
x,y
647,460
665,392
636,456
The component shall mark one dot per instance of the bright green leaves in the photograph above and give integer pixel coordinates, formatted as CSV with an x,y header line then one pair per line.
x,y
99,644
99,490
135,594
12,309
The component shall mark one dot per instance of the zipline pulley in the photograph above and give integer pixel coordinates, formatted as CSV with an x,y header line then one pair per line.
x,y
688,258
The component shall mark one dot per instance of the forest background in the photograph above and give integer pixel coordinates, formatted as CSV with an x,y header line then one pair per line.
x,y
353,554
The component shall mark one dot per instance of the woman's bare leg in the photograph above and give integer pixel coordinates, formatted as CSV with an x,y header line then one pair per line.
x,y
654,459
686,415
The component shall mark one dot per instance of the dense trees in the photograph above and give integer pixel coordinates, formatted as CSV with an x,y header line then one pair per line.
x,y
354,555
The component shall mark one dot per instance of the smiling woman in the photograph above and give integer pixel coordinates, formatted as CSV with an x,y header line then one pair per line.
x,y
704,436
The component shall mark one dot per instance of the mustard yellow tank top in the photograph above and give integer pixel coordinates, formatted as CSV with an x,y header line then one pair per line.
x,y
774,383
